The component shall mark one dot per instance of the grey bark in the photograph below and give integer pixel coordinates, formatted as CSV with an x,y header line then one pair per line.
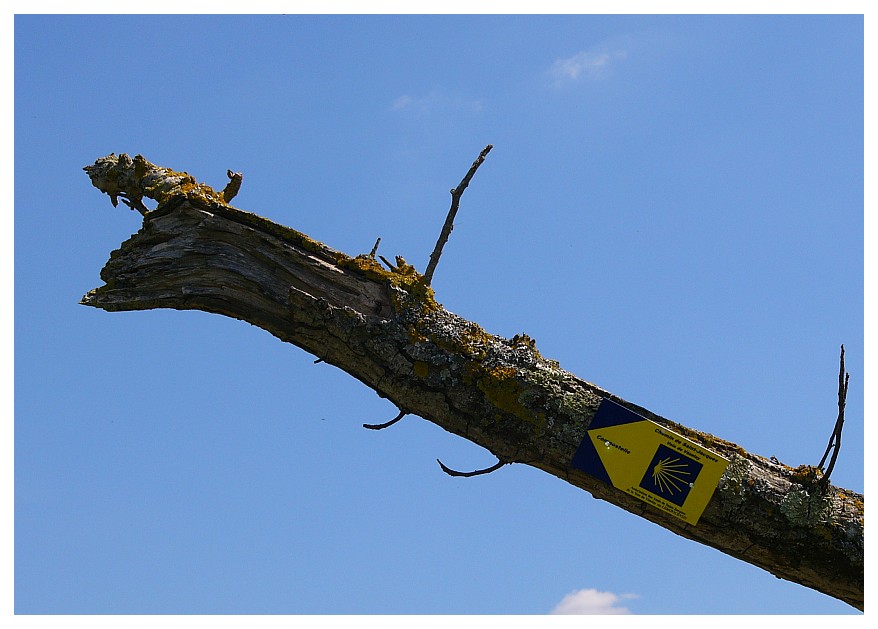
x,y
194,252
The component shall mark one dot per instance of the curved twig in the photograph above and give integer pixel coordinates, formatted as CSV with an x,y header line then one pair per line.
x,y
500,463
386,424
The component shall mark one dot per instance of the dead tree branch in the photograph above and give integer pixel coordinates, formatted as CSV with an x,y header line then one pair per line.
x,y
385,328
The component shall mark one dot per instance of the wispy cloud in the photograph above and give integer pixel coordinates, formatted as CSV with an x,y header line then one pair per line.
x,y
435,101
402,102
588,64
592,601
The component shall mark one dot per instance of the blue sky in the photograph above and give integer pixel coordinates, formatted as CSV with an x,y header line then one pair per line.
x,y
673,209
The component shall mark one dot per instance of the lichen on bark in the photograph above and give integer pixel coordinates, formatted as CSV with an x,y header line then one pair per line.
x,y
133,179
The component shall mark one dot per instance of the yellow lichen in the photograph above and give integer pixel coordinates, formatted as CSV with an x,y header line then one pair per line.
x,y
421,369
707,439
200,191
418,294
474,342
807,474
504,390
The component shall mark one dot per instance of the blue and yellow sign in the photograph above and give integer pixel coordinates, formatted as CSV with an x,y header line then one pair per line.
x,y
650,462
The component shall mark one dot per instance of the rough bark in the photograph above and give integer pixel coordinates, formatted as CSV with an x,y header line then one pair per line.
x,y
384,327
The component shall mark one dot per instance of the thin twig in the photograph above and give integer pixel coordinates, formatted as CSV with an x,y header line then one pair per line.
x,y
386,424
500,463
135,203
456,193
835,437
375,248
389,266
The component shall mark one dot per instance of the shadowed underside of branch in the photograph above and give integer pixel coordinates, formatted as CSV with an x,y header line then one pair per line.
x,y
384,327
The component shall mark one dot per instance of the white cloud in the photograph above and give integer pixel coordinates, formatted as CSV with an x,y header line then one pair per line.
x,y
592,64
592,601
402,102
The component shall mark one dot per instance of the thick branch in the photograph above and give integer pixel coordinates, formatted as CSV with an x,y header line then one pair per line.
x,y
385,329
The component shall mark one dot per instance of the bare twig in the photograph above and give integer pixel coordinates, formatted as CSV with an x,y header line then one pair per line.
x,y
500,463
135,203
374,249
386,424
835,437
389,265
456,193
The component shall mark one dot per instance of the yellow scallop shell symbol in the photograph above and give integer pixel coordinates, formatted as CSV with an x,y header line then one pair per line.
x,y
669,475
